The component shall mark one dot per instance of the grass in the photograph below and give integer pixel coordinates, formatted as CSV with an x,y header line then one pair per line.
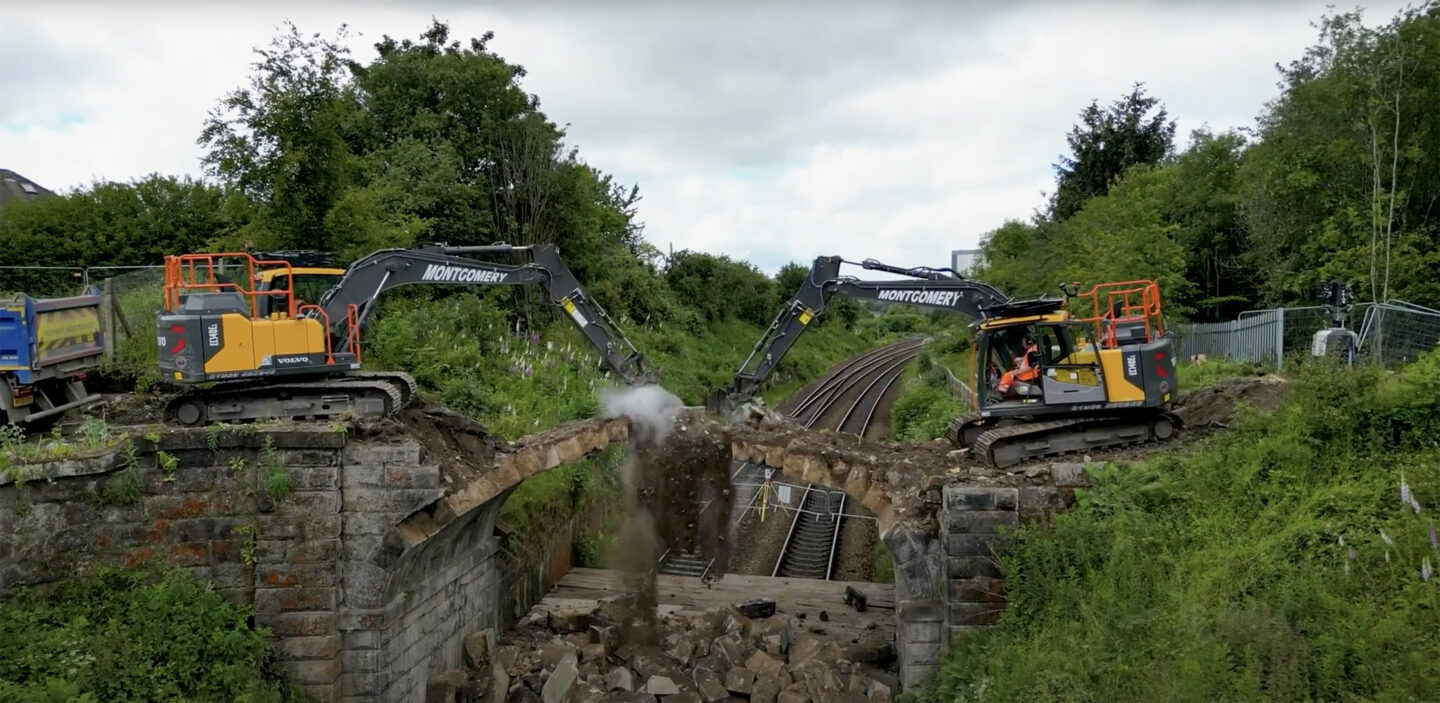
x,y
1214,371
1276,562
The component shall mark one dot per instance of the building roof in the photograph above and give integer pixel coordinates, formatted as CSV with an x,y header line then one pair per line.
x,y
14,186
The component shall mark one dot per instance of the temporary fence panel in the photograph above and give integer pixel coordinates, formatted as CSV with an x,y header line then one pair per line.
x,y
1397,332
1258,338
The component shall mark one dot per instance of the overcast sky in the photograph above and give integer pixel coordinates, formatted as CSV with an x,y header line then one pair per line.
x,y
889,130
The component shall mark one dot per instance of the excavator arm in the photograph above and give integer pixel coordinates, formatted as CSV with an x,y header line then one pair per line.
x,y
933,288
366,279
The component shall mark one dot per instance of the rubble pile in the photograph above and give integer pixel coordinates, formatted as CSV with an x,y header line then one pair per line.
x,y
742,652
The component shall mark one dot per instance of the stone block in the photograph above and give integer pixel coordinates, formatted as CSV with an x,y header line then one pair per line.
x,y
187,554
287,600
373,524
394,501
921,653
307,575
975,613
297,526
972,567
314,478
309,503
299,624
410,476
981,521
286,551
310,647
910,611
361,661
920,632
1035,501
374,453
978,590
962,498
318,671
232,575
307,457
365,686
968,545
203,529
360,639
1069,473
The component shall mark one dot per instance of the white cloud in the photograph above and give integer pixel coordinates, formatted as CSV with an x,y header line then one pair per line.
x,y
896,132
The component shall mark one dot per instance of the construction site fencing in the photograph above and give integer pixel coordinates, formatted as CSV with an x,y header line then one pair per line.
x,y
959,389
1389,333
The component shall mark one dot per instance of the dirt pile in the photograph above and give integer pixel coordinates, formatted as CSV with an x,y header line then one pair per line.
x,y
1214,407
724,654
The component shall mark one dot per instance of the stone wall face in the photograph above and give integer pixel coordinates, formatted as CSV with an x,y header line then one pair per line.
x,y
357,612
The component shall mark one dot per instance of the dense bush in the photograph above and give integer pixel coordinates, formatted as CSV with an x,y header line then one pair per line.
x,y
1290,559
132,636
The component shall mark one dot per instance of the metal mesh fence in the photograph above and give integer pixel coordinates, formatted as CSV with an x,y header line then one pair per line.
x,y
134,295
1390,333
1397,332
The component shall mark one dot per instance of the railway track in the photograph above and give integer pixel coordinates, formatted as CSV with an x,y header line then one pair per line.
x,y
847,400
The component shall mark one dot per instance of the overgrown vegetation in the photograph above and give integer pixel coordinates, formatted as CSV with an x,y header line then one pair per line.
x,y
133,636
1290,559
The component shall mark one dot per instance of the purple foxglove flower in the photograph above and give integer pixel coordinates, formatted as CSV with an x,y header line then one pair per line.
x,y
1352,554
1386,538
1404,491
1425,571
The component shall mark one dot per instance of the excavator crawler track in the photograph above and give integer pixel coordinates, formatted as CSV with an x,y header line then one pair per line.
x,y
1007,446
365,395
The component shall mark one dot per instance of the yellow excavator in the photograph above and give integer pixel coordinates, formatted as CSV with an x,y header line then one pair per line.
x,y
1052,374
249,336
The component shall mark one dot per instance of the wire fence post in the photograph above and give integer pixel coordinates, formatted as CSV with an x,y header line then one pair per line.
x,y
1280,340
107,316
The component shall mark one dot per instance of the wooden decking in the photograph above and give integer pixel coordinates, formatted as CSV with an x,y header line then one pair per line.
x,y
582,587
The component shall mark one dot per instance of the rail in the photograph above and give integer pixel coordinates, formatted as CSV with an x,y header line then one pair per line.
x,y
846,400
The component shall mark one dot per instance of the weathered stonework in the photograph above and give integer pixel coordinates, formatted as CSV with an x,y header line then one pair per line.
x,y
381,559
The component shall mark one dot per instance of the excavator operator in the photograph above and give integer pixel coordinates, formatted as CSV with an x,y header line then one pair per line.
x,y
1027,367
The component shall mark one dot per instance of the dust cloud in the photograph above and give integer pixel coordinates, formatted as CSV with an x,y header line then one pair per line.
x,y
677,491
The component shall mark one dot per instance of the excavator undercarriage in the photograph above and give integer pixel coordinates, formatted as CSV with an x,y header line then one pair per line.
x,y
1014,440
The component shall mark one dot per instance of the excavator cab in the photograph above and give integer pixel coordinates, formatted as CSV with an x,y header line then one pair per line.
x,y
1105,351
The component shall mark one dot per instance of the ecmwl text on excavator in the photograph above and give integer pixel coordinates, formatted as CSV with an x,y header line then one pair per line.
x,y
461,274
921,297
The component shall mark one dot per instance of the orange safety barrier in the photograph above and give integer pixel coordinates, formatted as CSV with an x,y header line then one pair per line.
x,y
352,330
1124,301
197,272
329,353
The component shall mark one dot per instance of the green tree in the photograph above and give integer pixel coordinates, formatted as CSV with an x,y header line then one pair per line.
x,y
284,141
110,224
1018,258
1342,182
721,288
1133,130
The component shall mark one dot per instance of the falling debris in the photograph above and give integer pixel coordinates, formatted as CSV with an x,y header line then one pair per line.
x,y
678,493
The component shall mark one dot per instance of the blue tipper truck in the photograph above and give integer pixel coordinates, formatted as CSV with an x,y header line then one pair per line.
x,y
47,346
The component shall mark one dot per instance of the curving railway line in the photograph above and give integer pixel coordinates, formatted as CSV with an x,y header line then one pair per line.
x,y
811,535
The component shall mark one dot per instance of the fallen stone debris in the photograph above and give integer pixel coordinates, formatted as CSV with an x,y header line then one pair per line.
x,y
583,656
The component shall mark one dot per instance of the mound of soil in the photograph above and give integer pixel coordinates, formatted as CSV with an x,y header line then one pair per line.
x,y
1214,407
